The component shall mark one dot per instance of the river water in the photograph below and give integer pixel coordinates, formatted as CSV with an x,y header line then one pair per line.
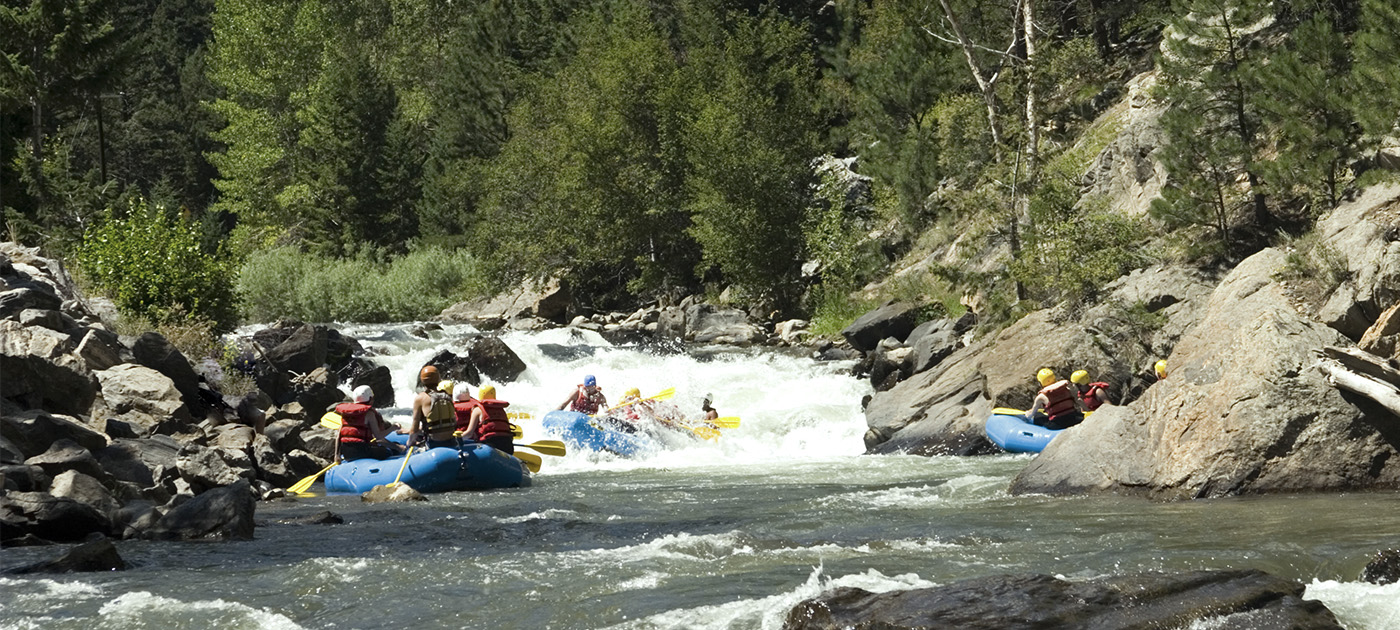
x,y
713,535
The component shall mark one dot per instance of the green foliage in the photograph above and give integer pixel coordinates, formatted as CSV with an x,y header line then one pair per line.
x,y
833,309
1377,52
285,282
1072,250
1312,270
150,262
835,233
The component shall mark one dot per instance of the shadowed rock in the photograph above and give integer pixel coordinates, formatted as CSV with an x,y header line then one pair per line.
x,y
221,513
97,555
1384,568
495,359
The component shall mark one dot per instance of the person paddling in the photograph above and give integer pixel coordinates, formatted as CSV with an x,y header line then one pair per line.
x,y
490,424
710,413
434,418
586,398
363,432
1055,406
1091,395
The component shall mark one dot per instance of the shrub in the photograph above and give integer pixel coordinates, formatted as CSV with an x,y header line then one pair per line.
x,y
150,262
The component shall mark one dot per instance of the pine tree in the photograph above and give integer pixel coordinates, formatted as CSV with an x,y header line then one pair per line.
x,y
1377,51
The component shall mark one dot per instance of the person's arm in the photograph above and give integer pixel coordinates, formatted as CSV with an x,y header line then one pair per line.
x,y
418,415
572,395
1040,401
473,424
1103,397
711,415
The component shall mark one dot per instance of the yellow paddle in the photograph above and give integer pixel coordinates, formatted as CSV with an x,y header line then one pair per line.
x,y
548,447
405,465
331,420
531,461
305,484
708,433
664,394
727,422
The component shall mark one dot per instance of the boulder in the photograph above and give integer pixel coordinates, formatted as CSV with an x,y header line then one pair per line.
x,y
302,352
139,460
454,368
9,452
380,381
89,557
212,467
66,455
892,319
1383,338
791,331
1362,233
134,518
22,477
222,513
41,371
235,436
143,401
1244,412
1384,568
392,493
323,517
707,323
318,441
16,301
154,351
551,300
53,320
934,346
936,412
341,348
84,489
495,359
270,464
285,435
670,325
1227,599
317,390
33,431
273,382
48,517
101,351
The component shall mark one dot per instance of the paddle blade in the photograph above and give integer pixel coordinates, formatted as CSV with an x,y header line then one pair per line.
x,y
1007,411
532,461
727,422
305,484
519,415
516,432
331,420
707,433
548,447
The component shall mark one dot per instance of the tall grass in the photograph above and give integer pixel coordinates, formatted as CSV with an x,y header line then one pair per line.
x,y
286,282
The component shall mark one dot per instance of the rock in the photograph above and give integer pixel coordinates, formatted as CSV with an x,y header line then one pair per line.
x,y
341,348
454,368
889,320
33,431
401,493
317,390
66,455
1023,602
303,464
670,325
84,489
934,346
495,359
791,331
154,351
15,301
136,517
273,382
206,467
138,460
101,352
41,372
1126,172
552,301
277,332
284,434
234,436
22,477
886,367
318,441
53,320
9,451
1384,568
270,464
48,517
144,400
707,323
92,556
222,513
1383,338
302,352
937,412
380,381
1243,412
1362,233
320,518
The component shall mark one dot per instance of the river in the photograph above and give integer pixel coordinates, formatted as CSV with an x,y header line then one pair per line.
x,y
716,535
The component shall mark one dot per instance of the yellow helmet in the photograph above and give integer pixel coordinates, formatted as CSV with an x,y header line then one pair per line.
x,y
445,387
1080,377
634,392
487,392
1161,368
1046,376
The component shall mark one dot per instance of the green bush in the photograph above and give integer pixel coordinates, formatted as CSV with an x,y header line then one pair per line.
x,y
150,262
285,282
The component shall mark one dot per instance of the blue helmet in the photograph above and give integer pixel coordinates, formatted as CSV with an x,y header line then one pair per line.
x,y
589,381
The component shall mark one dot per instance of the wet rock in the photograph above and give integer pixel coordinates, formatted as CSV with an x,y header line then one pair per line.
x,y
893,319
92,556
401,493
33,431
560,352
454,368
1240,600
380,381
41,371
135,518
1244,412
222,513
495,359
1384,568
48,517
319,518
154,351
145,401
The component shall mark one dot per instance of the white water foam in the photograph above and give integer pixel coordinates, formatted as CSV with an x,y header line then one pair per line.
x,y
551,513
142,609
1359,605
969,489
769,612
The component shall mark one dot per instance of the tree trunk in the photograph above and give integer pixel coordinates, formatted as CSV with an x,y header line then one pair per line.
x,y
1101,40
1032,107
986,84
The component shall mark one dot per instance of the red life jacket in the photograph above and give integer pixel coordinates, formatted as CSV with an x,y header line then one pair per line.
x,y
584,403
354,426
494,421
464,412
1059,398
1090,397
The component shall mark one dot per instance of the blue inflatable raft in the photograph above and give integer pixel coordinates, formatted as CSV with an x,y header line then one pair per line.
x,y
1014,434
582,431
473,466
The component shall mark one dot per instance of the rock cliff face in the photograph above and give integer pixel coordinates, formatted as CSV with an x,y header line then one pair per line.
x,y
1242,412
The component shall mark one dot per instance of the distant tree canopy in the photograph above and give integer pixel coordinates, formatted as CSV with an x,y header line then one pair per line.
x,y
653,147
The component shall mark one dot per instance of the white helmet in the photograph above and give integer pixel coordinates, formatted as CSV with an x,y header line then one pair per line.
x,y
363,394
463,392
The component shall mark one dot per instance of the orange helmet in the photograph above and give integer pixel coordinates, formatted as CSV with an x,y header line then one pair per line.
x,y
429,375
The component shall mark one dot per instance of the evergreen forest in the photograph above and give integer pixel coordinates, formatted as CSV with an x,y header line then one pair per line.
x,y
374,160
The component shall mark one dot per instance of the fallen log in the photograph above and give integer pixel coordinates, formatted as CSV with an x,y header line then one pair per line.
x,y
1360,361
1385,394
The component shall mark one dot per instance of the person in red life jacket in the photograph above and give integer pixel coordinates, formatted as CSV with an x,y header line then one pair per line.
x,y
587,398
1055,406
362,430
490,424
464,404
434,418
1091,395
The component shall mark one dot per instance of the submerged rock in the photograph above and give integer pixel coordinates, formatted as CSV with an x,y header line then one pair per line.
x,y
1384,568
1236,600
96,555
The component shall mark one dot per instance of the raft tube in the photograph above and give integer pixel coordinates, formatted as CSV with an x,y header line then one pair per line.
x,y
1014,434
473,466
582,431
